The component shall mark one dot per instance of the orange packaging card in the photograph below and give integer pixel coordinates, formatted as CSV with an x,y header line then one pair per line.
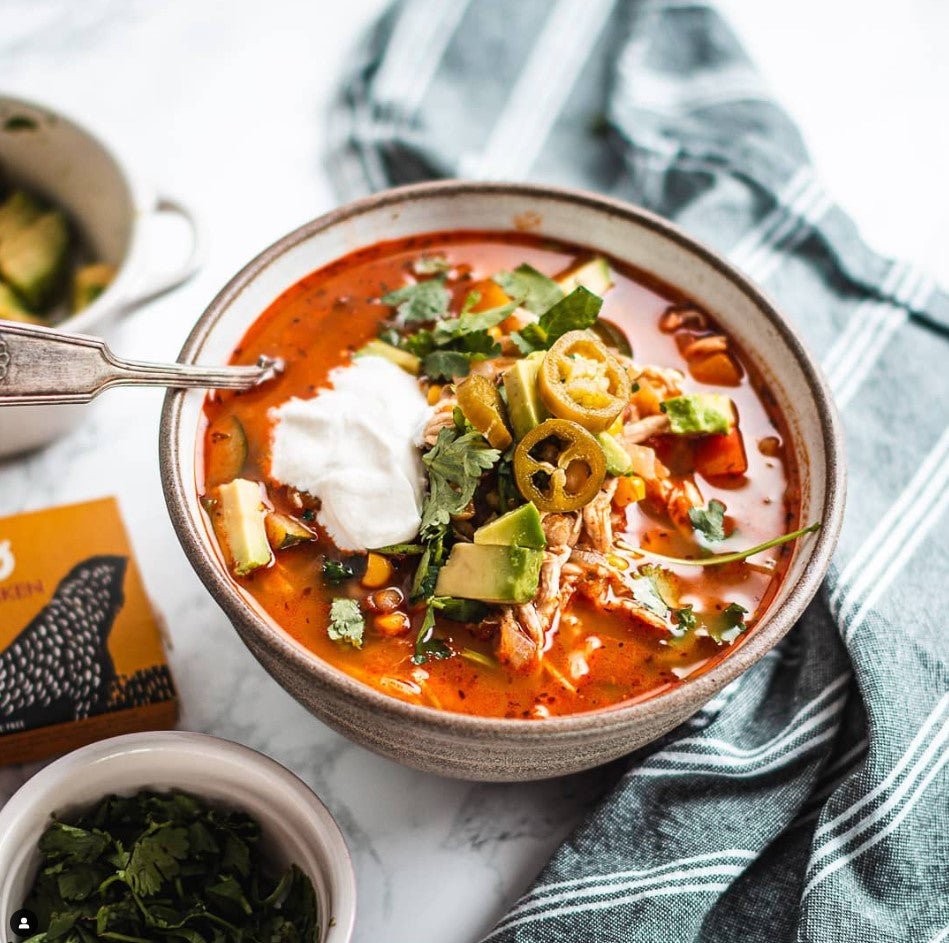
x,y
81,655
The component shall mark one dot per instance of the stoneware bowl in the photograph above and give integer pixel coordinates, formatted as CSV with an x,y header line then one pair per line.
x,y
45,151
499,749
296,826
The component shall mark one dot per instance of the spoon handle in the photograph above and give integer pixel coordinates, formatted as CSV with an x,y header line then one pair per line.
x,y
39,365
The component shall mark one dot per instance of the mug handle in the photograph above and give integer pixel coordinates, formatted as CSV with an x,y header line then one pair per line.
x,y
161,283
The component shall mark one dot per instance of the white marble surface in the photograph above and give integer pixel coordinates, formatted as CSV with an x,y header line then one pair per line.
x,y
221,103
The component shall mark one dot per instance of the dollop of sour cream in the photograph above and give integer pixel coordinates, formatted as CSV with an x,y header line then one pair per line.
x,y
353,446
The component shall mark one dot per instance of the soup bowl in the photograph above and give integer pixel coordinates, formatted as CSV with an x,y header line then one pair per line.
x,y
467,746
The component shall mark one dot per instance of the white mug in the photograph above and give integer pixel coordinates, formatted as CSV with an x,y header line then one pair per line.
x,y
43,150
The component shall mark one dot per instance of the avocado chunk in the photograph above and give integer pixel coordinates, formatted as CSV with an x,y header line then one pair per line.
x,y
524,407
18,211
401,358
594,276
699,414
33,259
12,309
490,573
89,282
518,528
238,514
618,461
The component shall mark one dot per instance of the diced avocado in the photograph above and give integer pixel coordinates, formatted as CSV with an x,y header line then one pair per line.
x,y
89,282
594,276
238,513
490,573
12,309
33,259
284,531
618,461
401,358
518,528
524,408
699,414
18,211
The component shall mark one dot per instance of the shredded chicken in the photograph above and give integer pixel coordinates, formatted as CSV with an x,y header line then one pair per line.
x,y
601,593
442,417
678,498
494,367
553,592
562,529
598,517
666,381
645,428
520,637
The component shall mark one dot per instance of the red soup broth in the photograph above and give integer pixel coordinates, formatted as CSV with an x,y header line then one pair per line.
x,y
315,326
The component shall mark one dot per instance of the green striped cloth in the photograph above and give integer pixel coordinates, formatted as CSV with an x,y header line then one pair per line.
x,y
810,800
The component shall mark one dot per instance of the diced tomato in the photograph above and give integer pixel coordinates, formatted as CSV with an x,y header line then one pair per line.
x,y
721,455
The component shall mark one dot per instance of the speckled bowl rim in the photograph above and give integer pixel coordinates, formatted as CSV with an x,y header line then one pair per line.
x,y
683,699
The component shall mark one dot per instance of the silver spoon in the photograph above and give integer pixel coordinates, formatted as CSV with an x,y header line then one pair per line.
x,y
39,366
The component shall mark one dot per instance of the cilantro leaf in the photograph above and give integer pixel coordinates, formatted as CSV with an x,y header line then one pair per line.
x,y
194,874
430,265
733,618
426,573
534,290
453,328
426,645
420,343
72,844
155,858
684,619
460,610
422,301
346,622
709,522
336,572
446,364
646,592
455,465
578,311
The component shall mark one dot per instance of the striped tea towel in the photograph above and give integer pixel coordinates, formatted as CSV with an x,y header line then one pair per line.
x,y
810,800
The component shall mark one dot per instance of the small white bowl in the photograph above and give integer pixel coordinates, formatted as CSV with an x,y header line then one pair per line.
x,y
45,151
297,828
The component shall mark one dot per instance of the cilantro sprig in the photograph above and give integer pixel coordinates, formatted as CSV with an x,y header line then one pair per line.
x,y
455,465
166,868
577,312
710,521
420,301
346,622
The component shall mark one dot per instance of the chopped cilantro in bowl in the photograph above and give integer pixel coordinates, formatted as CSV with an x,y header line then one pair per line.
x,y
177,837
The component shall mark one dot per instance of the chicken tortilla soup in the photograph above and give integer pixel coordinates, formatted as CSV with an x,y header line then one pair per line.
x,y
501,476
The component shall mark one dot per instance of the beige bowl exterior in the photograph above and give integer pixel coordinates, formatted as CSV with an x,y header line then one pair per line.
x,y
489,748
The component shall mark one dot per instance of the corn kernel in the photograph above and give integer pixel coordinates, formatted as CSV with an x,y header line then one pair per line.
x,y
616,561
495,332
434,393
378,571
617,427
392,624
